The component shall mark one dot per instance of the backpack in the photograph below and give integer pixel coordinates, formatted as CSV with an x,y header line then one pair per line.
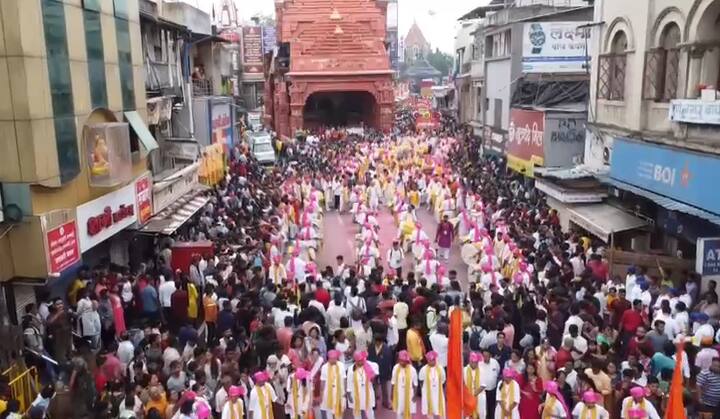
x,y
475,337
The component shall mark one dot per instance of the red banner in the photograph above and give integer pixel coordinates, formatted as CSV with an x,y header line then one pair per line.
x,y
525,135
62,247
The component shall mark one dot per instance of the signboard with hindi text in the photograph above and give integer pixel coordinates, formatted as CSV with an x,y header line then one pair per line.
x,y
252,47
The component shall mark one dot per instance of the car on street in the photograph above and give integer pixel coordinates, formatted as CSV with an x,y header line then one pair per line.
x,y
263,150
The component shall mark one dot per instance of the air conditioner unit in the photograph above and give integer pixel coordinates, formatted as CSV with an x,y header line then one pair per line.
x,y
606,155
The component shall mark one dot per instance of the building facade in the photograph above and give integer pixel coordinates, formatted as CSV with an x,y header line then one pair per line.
x,y
74,172
332,66
533,54
466,52
653,133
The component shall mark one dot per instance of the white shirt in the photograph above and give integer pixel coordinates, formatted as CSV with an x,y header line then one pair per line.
x,y
395,257
439,343
334,314
125,352
165,291
580,343
489,373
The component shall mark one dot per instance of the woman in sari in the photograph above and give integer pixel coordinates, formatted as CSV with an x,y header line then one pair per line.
x,y
531,389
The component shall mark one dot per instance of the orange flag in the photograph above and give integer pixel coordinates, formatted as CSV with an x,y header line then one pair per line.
x,y
460,401
675,407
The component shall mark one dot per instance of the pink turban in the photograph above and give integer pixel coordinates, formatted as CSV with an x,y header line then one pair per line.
x,y
301,374
509,373
476,357
260,376
202,410
590,397
637,392
404,356
359,356
236,391
189,395
431,356
487,267
333,355
552,387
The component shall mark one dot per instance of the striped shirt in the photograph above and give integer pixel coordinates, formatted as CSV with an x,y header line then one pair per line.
x,y
709,384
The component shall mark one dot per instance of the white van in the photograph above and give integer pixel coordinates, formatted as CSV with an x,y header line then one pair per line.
x,y
263,150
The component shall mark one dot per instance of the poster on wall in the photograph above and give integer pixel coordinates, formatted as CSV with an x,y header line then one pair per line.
x,y
269,39
62,247
221,124
252,44
143,198
555,47
107,151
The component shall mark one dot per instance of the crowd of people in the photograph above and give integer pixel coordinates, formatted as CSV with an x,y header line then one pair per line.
x,y
257,329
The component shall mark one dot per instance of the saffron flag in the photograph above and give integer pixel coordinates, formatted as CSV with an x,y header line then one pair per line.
x,y
460,401
675,407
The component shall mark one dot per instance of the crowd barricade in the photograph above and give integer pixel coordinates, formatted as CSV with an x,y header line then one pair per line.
x,y
24,384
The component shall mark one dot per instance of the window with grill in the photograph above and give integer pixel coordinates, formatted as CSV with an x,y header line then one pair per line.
x,y
611,78
611,75
660,80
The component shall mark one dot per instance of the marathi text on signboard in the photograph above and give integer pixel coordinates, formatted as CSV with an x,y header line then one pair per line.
x,y
252,43
555,47
62,246
525,135
143,198
695,111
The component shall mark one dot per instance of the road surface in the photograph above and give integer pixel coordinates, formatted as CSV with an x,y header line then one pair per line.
x,y
339,239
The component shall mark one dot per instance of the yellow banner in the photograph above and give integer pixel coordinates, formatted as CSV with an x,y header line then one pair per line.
x,y
522,166
212,165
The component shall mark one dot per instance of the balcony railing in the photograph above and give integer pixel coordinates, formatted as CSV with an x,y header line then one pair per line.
x,y
466,67
202,87
695,111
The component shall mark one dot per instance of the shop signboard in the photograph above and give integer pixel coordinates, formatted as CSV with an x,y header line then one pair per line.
x,y
494,141
707,261
102,218
107,151
681,175
695,111
143,197
221,123
252,44
62,247
525,146
555,47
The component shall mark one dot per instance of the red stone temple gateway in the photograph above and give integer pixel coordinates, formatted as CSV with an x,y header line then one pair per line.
x,y
332,66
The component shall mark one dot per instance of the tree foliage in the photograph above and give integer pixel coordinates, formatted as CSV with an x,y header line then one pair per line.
x,y
442,62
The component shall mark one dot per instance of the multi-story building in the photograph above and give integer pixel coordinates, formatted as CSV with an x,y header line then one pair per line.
x,y
535,60
655,118
465,53
189,107
74,170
